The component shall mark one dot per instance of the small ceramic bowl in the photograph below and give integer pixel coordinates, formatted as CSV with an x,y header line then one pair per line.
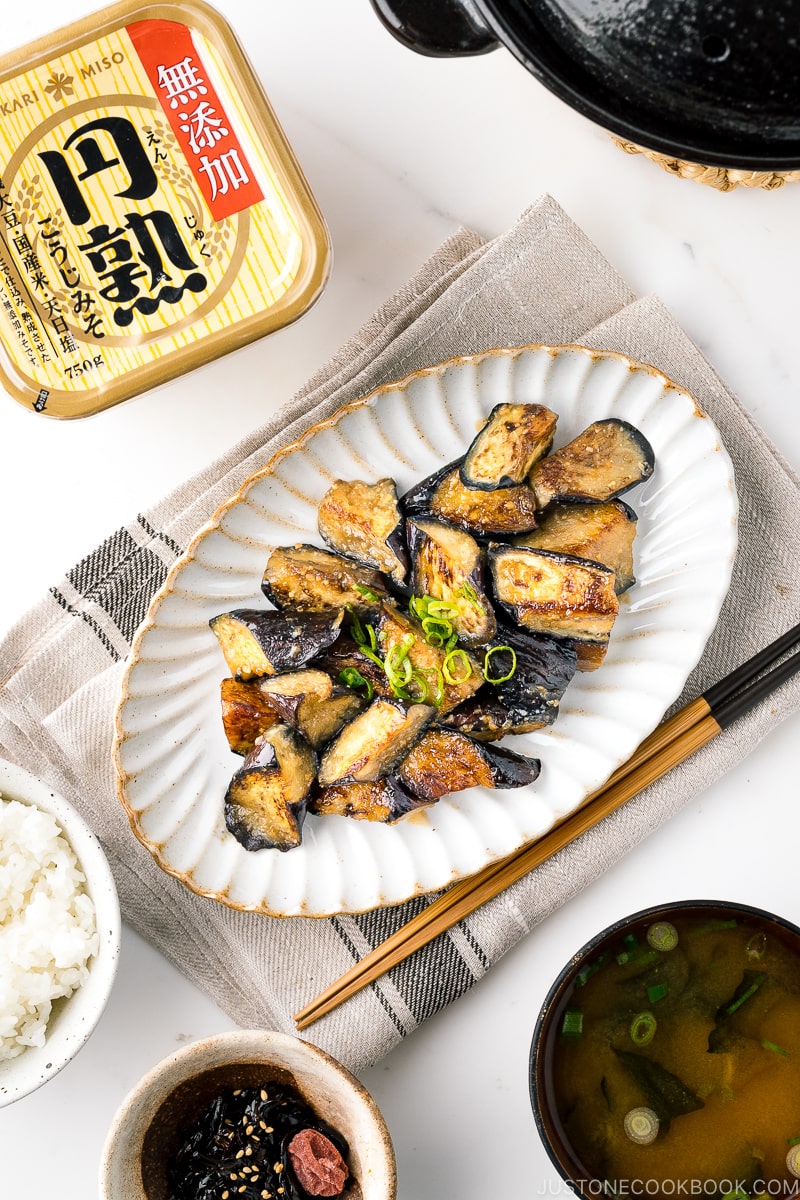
x,y
73,1018
150,1122
653,1012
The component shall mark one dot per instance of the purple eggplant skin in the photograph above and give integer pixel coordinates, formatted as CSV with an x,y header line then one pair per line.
x,y
605,460
267,798
267,641
307,578
485,514
445,761
530,699
448,564
363,522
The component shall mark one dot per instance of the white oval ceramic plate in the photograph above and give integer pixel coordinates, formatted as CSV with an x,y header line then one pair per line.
x,y
171,753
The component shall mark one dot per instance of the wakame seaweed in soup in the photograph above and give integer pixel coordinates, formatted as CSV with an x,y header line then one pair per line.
x,y
673,1059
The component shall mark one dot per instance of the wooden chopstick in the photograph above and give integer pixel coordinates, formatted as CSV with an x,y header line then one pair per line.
x,y
672,743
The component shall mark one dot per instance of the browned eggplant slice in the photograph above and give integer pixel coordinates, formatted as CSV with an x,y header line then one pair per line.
x,y
602,462
444,761
266,641
498,513
603,533
309,579
266,800
449,565
549,592
309,701
540,669
246,713
514,438
362,521
372,744
401,634
383,800
590,654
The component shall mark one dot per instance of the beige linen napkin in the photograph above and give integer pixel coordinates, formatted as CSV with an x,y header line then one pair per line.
x,y
60,666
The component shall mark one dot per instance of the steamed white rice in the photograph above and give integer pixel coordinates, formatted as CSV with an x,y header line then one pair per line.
x,y
47,924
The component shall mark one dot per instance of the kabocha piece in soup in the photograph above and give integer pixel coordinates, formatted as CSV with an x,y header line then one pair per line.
x,y
500,512
603,533
256,1142
246,713
548,592
266,800
526,676
449,566
265,641
308,579
444,761
514,438
372,744
606,459
384,800
363,521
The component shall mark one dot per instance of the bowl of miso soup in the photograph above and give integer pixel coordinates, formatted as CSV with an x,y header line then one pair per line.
x,y
666,1057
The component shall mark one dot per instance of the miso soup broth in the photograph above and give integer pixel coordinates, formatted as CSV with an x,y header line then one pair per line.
x,y
673,1056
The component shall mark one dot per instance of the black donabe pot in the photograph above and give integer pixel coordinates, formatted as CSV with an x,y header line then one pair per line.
x,y
716,84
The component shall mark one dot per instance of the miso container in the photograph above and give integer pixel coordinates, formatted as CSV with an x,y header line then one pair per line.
x,y
152,214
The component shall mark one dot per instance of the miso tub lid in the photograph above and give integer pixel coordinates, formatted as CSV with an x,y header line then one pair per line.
x,y
152,214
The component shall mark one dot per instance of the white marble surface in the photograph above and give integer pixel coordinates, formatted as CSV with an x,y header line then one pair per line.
x,y
400,150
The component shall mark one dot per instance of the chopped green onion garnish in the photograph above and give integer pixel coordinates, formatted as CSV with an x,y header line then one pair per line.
x,y
630,941
662,936
450,661
572,1023
708,926
775,1049
497,650
657,992
793,1161
354,679
746,994
757,946
468,593
641,1126
366,592
436,630
793,1141
643,1028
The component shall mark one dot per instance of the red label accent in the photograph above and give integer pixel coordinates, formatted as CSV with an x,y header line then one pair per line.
x,y
196,115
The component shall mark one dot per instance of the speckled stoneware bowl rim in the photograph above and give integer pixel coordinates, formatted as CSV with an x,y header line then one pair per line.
x,y
78,1015
563,979
120,1176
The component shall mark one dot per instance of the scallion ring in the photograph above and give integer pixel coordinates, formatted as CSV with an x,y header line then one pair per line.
x,y
496,650
449,663
662,936
643,1028
641,1125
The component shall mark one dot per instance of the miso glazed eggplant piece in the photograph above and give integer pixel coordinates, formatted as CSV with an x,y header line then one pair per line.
x,y
309,579
603,533
370,747
526,676
549,592
420,664
266,641
602,462
497,513
444,761
310,702
246,713
513,439
266,800
448,565
385,800
363,522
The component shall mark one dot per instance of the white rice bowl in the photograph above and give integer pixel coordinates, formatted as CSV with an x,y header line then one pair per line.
x,y
48,931
60,932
